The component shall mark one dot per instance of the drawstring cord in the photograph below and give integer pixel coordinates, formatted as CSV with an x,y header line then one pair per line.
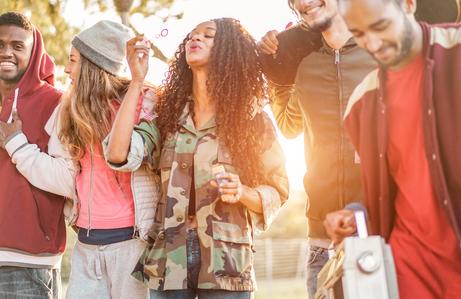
x,y
91,190
15,105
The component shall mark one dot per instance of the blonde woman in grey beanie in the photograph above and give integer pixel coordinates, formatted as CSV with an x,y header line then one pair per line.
x,y
116,207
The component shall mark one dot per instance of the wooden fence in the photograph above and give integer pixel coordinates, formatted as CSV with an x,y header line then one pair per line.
x,y
280,258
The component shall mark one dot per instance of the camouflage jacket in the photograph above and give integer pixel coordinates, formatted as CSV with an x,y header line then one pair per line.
x,y
225,230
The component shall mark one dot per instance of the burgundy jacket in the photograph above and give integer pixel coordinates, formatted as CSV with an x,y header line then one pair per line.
x,y
366,119
31,220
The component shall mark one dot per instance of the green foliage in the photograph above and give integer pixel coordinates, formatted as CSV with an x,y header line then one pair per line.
x,y
144,7
148,8
46,15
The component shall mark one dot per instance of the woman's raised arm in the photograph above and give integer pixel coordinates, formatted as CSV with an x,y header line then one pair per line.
x,y
122,129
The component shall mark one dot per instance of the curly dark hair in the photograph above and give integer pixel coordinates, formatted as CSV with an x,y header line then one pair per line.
x,y
235,82
16,19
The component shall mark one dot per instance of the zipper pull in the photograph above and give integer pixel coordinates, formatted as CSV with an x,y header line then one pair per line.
x,y
336,56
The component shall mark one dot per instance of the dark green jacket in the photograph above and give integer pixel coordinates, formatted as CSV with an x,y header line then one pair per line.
x,y
315,106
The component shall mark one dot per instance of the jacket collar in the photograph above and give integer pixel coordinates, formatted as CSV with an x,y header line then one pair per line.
x,y
348,45
186,122
426,29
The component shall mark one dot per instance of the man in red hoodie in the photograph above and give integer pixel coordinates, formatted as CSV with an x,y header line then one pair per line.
x,y
32,228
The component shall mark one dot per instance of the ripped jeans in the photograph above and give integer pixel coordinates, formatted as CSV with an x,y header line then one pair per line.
x,y
317,258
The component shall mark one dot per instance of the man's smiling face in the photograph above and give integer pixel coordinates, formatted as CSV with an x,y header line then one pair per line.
x,y
15,49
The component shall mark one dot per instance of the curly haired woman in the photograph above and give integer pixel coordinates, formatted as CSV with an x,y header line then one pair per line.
x,y
222,169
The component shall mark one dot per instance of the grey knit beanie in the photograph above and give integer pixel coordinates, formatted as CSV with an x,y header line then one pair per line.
x,y
104,44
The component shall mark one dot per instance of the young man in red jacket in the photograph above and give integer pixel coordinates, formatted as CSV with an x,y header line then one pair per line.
x,y
404,120
32,228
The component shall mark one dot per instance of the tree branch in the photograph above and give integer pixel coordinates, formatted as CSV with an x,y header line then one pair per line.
x,y
157,52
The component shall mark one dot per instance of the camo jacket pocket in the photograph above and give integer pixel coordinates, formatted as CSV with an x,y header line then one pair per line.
x,y
232,253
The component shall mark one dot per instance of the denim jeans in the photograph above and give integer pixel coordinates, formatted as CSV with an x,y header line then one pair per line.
x,y
193,269
21,283
317,258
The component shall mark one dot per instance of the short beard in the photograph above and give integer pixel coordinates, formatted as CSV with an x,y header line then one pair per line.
x,y
13,80
406,42
319,27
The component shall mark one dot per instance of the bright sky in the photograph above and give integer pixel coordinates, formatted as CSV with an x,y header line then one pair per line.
x,y
258,17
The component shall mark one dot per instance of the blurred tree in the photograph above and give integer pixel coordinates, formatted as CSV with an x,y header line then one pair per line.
x,y
144,7
57,32
46,15
124,8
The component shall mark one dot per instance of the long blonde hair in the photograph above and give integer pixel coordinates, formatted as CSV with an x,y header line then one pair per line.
x,y
88,109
